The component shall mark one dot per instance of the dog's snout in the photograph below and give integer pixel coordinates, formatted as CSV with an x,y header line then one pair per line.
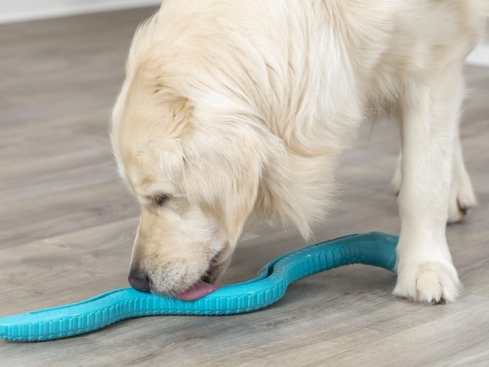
x,y
139,280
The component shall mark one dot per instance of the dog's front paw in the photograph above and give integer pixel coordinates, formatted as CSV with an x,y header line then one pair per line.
x,y
428,282
462,199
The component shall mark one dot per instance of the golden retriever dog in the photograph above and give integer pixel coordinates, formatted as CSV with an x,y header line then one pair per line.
x,y
234,109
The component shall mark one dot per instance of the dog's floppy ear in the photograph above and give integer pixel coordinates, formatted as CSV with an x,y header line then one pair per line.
x,y
222,172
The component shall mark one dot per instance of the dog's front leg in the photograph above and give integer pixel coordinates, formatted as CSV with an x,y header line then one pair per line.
x,y
430,111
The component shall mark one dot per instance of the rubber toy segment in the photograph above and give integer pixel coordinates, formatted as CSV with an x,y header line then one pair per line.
x,y
377,249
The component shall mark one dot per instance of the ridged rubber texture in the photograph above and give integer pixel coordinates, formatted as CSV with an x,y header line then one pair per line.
x,y
375,248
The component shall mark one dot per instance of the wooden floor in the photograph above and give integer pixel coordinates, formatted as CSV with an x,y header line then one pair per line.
x,y
67,225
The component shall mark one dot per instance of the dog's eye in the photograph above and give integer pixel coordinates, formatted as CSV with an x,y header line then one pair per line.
x,y
161,199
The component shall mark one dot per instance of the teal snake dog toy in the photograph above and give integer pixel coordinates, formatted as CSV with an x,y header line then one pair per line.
x,y
375,248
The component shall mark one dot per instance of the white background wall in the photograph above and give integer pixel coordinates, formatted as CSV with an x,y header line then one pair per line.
x,y
480,56
19,10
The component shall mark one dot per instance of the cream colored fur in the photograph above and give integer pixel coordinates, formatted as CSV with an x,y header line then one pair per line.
x,y
240,108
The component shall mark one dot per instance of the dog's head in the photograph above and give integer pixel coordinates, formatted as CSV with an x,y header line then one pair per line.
x,y
195,171
194,147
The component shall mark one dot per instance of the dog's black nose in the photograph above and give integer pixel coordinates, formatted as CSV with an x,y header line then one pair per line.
x,y
139,280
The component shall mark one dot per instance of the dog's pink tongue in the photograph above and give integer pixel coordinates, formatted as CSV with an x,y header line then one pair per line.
x,y
198,290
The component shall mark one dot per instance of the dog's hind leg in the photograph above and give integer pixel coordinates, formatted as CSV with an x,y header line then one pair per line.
x,y
397,179
462,196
